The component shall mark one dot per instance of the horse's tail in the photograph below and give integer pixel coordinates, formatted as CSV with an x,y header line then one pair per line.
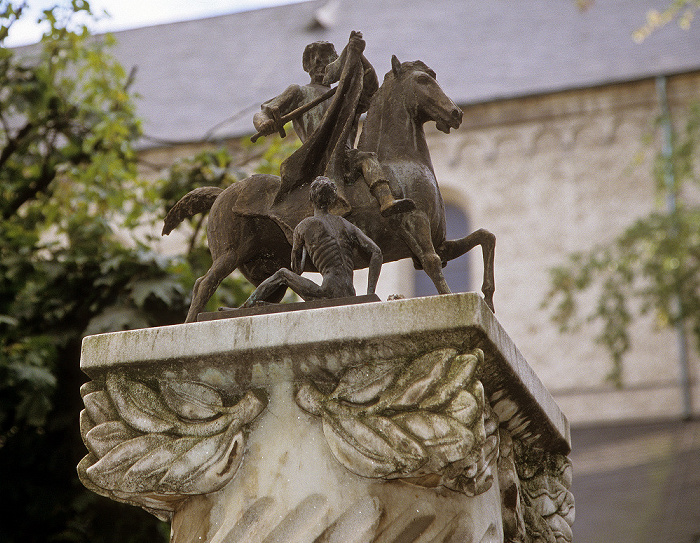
x,y
196,201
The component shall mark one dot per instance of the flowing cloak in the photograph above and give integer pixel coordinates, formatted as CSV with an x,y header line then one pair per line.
x,y
324,152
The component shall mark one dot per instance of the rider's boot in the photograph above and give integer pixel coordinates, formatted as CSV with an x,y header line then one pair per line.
x,y
367,164
388,205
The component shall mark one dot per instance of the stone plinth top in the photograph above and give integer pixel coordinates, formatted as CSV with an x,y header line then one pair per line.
x,y
330,339
409,420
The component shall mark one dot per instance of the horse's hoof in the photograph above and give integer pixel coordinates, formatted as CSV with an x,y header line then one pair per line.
x,y
398,206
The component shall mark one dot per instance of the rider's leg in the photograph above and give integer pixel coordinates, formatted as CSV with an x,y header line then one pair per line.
x,y
380,188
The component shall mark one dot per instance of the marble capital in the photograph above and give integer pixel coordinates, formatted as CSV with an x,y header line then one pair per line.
x,y
400,421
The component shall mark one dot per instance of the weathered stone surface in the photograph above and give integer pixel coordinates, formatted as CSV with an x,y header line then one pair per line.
x,y
399,421
249,351
158,446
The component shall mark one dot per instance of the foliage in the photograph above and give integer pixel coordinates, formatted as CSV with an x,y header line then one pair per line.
x,y
681,11
653,266
73,261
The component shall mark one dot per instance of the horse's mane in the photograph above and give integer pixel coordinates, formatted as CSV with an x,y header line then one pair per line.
x,y
410,66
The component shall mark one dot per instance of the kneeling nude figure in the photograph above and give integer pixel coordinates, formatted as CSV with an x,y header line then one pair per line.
x,y
329,240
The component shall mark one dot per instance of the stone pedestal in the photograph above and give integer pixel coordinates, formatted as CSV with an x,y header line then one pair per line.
x,y
409,420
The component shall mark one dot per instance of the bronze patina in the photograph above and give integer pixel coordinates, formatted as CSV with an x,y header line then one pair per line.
x,y
252,222
329,241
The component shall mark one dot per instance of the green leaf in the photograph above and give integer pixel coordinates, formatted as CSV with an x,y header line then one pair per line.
x,y
165,289
651,266
39,377
116,318
9,321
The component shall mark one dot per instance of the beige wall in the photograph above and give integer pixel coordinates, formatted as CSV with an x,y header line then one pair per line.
x,y
554,174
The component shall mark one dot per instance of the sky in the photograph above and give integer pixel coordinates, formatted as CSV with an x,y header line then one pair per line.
x,y
125,14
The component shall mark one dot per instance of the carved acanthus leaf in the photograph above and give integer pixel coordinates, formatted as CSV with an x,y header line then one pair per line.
x,y
422,421
191,401
155,446
548,504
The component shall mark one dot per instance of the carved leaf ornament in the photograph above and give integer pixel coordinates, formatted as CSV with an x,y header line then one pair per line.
x,y
548,504
422,421
156,447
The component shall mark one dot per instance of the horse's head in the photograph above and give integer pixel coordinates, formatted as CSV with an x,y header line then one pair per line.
x,y
423,95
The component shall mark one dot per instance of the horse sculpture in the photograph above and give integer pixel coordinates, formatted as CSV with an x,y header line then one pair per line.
x,y
250,229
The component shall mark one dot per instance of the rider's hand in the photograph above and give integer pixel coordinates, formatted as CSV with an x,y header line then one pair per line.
x,y
356,42
268,127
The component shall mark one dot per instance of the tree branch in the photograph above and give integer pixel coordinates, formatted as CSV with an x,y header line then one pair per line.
x,y
48,174
14,143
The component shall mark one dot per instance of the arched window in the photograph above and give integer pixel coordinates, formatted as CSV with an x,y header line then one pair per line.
x,y
457,271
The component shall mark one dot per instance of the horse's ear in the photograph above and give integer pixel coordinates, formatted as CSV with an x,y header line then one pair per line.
x,y
395,65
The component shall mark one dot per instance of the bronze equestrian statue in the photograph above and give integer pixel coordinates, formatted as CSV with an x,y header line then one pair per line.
x,y
251,223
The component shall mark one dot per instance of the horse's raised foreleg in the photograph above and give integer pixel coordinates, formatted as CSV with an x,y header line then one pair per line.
x,y
206,285
452,249
416,234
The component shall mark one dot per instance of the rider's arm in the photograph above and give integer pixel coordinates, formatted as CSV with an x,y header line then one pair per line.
x,y
284,103
370,82
335,68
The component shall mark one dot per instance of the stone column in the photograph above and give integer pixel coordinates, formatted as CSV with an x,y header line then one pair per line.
x,y
405,421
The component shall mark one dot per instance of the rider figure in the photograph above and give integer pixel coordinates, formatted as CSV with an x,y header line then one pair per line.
x,y
316,57
329,240
323,65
